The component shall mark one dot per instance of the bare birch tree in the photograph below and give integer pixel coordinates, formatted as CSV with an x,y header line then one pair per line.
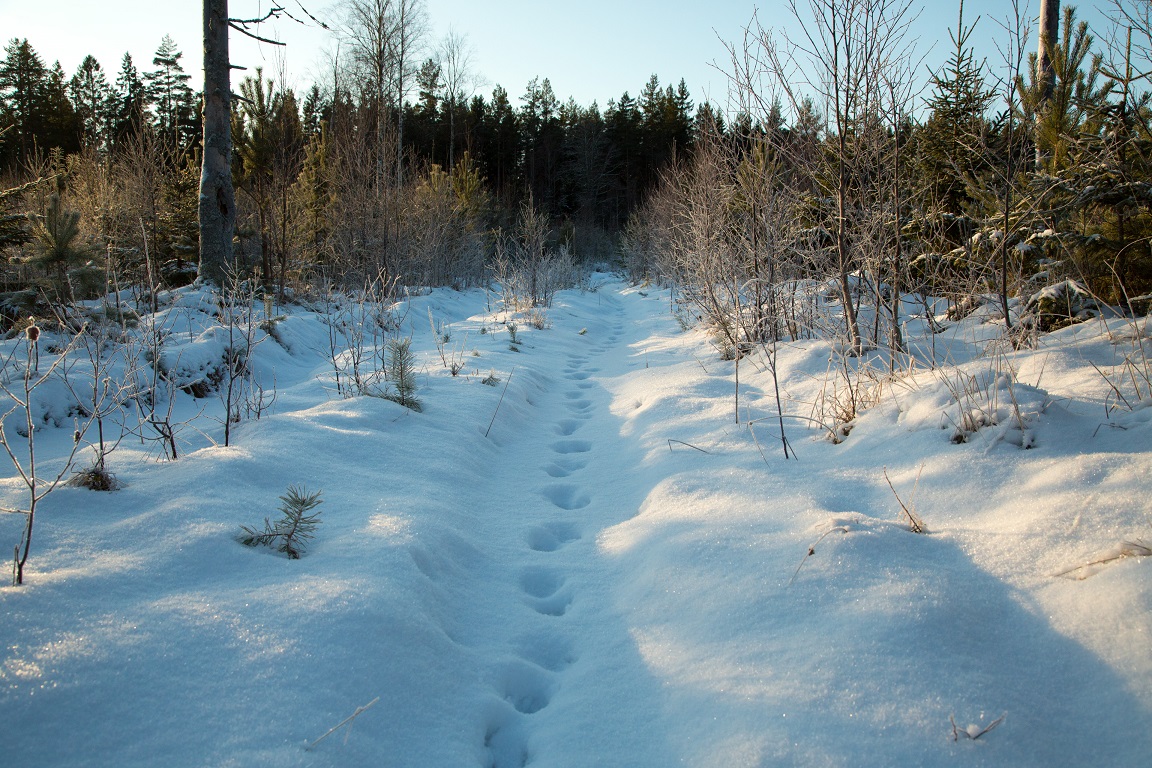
x,y
841,57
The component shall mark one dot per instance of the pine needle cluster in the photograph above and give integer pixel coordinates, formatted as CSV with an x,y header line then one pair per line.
x,y
292,532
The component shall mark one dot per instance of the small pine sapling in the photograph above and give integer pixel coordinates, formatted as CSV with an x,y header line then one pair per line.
x,y
292,532
402,372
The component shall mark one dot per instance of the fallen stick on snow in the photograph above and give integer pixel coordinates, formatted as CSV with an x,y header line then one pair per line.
x,y
681,442
346,721
501,402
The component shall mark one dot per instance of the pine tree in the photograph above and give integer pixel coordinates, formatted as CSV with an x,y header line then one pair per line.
x,y
22,82
91,96
402,372
1063,94
313,112
623,125
59,125
55,242
167,88
957,127
501,127
542,137
255,137
313,193
130,102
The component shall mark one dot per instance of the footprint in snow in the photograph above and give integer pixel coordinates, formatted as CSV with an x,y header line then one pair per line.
x,y
564,467
572,446
526,687
567,427
553,605
540,582
567,497
505,745
547,650
551,537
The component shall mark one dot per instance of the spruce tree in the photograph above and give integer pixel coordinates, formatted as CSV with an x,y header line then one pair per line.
x,y
167,88
91,96
58,125
22,82
130,102
957,128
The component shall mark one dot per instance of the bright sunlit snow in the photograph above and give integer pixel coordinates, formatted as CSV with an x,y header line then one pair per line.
x,y
587,560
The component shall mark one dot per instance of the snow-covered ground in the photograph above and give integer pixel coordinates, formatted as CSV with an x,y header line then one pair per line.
x,y
592,563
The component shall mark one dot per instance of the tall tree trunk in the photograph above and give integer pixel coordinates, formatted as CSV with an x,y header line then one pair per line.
x,y
1045,77
217,198
1049,32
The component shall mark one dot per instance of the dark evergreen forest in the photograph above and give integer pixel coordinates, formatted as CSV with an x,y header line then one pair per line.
x,y
984,182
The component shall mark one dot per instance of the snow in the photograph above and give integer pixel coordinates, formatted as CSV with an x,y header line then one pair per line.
x,y
617,574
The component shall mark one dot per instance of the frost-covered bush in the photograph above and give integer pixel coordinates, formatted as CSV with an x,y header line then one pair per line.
x,y
1060,305
990,402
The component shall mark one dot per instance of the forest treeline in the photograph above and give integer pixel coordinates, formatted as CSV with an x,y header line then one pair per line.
x,y
989,182
335,179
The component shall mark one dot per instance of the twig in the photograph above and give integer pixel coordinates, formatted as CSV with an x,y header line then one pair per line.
x,y
812,550
346,720
501,402
915,524
966,732
681,442
831,432
1126,549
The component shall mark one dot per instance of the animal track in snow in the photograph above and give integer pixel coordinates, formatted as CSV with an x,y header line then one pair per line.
x,y
566,427
550,537
574,394
567,496
547,650
526,687
505,745
554,605
586,385
540,582
579,405
578,375
564,467
572,446
427,563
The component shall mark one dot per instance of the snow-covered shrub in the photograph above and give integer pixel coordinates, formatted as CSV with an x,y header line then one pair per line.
x,y
1060,305
992,401
537,318
852,385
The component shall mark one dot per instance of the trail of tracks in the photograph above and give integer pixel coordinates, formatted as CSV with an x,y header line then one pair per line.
x,y
565,676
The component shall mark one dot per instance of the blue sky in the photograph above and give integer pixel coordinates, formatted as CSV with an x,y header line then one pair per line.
x,y
594,50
